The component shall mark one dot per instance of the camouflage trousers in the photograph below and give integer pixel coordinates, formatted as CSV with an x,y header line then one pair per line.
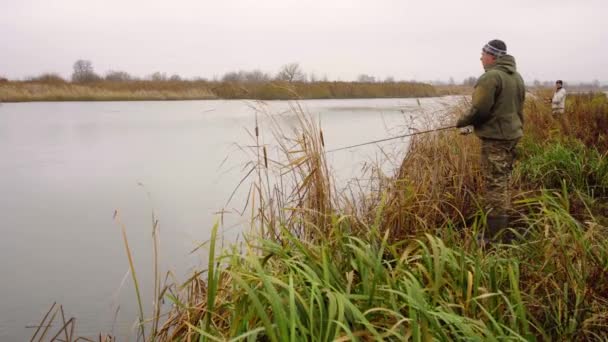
x,y
497,157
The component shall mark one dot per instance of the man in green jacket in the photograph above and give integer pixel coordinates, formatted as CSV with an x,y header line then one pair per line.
x,y
497,117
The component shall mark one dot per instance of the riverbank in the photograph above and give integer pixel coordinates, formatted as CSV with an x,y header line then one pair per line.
x,y
201,90
401,261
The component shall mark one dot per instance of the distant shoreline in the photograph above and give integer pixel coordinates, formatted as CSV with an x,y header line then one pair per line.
x,y
35,91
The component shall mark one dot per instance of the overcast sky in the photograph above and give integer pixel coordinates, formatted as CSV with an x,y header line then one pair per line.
x,y
422,39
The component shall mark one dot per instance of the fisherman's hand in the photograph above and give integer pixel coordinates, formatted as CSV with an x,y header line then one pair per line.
x,y
466,130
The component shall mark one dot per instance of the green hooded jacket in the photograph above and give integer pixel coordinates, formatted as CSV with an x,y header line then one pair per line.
x,y
498,102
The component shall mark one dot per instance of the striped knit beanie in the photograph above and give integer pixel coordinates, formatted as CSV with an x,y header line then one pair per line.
x,y
496,48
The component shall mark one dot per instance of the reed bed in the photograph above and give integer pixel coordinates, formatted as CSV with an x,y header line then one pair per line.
x,y
402,262
49,88
323,90
454,89
29,92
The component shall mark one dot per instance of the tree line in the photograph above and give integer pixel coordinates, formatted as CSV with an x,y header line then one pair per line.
x,y
84,72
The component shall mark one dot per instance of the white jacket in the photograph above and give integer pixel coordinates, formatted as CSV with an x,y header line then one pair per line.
x,y
559,99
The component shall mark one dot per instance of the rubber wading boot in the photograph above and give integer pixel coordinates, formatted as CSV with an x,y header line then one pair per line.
x,y
497,225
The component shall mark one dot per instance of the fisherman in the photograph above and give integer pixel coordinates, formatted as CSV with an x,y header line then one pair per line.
x,y
558,103
496,115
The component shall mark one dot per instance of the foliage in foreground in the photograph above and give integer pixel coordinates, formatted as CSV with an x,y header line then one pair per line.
x,y
371,288
402,262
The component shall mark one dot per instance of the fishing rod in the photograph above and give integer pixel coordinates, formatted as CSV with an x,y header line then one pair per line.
x,y
392,138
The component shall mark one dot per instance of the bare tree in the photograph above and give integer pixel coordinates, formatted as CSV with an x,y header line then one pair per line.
x,y
389,79
364,78
175,78
158,76
256,76
83,72
241,76
47,78
291,73
233,76
118,76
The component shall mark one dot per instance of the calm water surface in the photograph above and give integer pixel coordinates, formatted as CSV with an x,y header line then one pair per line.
x,y
66,167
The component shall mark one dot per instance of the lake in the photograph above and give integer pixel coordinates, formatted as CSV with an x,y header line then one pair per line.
x,y
67,166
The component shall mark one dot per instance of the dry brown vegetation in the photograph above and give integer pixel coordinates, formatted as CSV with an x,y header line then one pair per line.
x,y
454,89
63,91
53,88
